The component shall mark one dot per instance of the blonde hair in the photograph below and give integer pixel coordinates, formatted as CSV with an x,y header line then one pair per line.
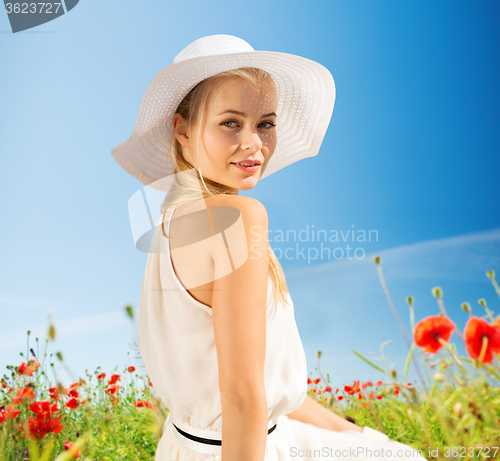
x,y
186,188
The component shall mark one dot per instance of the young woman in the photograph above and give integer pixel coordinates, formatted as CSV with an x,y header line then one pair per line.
x,y
217,328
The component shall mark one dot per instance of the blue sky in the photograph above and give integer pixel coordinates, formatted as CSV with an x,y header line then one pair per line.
x,y
412,151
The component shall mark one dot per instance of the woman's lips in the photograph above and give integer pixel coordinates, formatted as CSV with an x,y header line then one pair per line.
x,y
248,169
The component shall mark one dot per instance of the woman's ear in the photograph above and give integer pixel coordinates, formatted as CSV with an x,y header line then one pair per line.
x,y
180,125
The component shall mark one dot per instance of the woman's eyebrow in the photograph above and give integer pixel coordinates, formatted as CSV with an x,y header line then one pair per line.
x,y
230,111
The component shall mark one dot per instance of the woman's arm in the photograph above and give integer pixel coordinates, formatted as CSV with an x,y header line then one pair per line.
x,y
239,320
314,413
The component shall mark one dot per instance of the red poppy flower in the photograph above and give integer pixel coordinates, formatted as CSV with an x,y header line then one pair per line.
x,y
380,397
73,393
379,383
396,391
40,426
114,378
37,428
25,369
73,403
144,404
25,393
340,397
77,384
309,380
53,425
43,406
328,389
35,364
101,375
317,380
352,389
151,384
112,389
54,392
368,383
428,330
10,412
68,445
131,369
475,330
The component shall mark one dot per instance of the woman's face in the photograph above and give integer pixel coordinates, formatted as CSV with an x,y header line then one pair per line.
x,y
240,127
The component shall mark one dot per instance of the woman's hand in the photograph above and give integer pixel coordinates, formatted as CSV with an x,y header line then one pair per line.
x,y
314,413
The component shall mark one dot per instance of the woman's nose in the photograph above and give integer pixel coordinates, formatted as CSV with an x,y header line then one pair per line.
x,y
251,140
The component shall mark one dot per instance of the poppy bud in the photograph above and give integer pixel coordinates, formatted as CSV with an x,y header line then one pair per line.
x,y
409,300
52,332
466,307
490,275
130,311
437,292
377,260
482,302
394,374
318,354
59,356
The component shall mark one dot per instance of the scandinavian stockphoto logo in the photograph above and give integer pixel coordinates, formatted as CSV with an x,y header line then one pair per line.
x,y
26,15
216,227
224,226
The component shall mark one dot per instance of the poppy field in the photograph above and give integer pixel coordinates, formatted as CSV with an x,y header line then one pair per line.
x,y
454,410
451,412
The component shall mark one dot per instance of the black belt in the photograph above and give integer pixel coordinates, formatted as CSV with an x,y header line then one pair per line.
x,y
210,441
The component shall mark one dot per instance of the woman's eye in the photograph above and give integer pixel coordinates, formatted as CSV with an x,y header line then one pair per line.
x,y
269,124
228,122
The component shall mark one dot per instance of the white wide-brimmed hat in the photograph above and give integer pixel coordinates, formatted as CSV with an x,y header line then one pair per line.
x,y
306,95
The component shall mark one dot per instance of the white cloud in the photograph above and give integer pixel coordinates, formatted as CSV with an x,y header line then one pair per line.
x,y
465,257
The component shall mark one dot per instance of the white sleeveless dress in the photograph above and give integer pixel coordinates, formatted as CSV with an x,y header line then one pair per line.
x,y
178,349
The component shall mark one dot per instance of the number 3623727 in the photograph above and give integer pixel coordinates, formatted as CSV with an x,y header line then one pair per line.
x,y
32,8
469,451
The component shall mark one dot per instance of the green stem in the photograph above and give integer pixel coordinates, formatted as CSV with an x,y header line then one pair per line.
x,y
441,307
415,363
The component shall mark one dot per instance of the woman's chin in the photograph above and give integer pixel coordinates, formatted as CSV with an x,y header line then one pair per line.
x,y
248,183
240,183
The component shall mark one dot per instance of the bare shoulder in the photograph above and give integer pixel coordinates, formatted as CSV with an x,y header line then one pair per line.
x,y
252,211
